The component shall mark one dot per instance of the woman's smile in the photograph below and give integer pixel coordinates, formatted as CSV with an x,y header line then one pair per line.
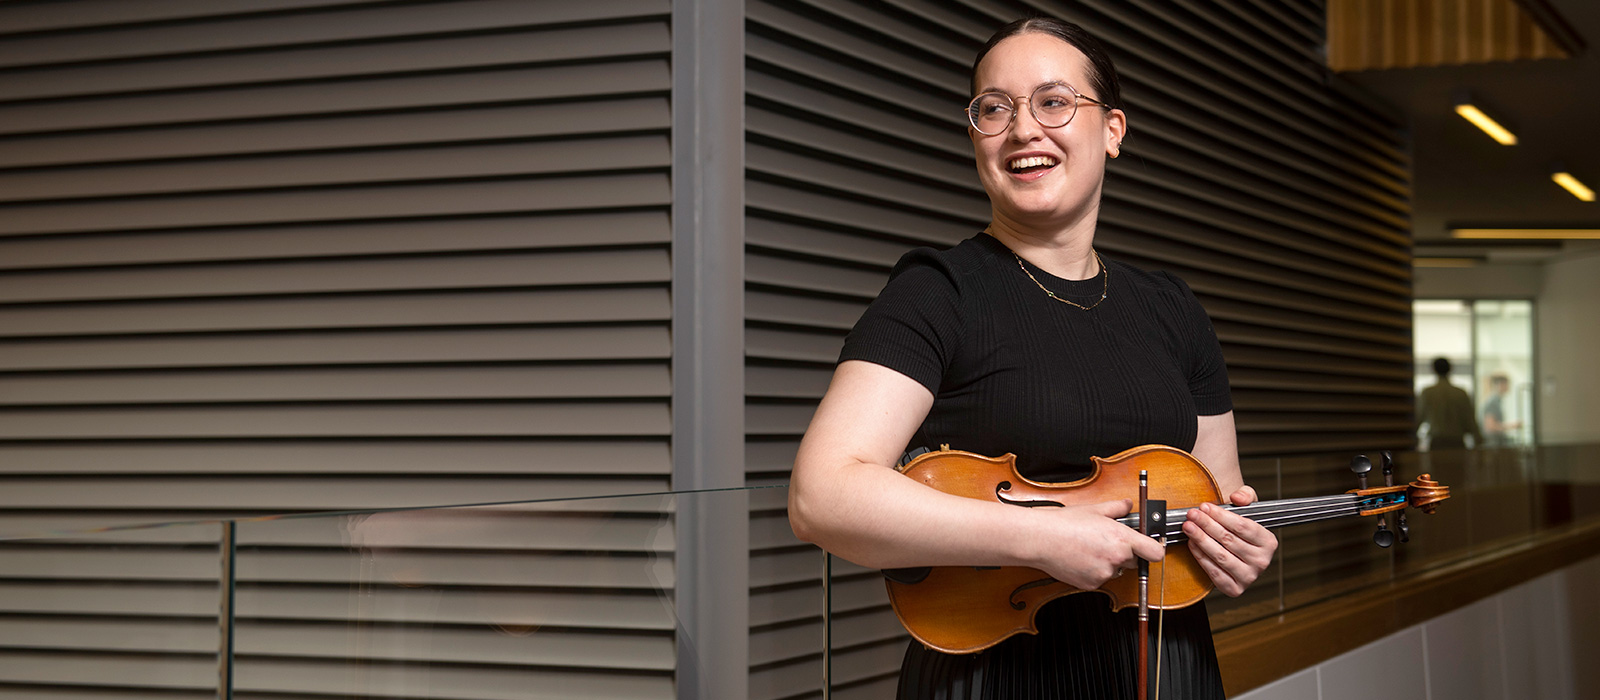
x,y
1030,167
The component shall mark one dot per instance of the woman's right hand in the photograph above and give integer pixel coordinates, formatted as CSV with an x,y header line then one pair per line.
x,y
1085,546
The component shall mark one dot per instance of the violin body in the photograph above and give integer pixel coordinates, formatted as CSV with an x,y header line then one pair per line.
x,y
964,609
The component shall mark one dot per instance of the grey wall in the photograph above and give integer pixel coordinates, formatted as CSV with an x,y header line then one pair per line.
x,y
1567,333
295,255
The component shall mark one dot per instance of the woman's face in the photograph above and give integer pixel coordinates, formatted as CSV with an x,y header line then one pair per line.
x,y
1039,177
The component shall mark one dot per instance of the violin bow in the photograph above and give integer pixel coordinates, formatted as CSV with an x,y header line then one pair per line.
x,y
1144,587
1151,514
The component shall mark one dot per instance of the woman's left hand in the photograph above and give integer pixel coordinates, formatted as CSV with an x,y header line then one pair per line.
x,y
1232,550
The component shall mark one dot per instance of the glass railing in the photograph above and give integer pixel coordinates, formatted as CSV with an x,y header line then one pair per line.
x,y
561,598
577,597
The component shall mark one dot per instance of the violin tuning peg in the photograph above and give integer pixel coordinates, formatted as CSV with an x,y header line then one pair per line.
x,y
1383,538
1360,464
1388,462
1405,530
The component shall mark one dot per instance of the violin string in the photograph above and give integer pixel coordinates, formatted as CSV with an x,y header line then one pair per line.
x,y
1176,533
1273,514
1253,510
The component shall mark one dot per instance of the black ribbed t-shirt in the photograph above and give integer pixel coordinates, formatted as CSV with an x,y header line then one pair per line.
x,y
1013,370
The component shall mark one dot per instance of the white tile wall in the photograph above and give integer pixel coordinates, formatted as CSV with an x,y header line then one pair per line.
x,y
1463,650
1391,668
1515,645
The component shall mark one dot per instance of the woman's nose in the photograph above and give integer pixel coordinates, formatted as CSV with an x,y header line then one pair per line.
x,y
1024,127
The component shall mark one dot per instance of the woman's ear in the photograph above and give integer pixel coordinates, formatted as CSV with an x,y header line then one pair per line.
x,y
1116,131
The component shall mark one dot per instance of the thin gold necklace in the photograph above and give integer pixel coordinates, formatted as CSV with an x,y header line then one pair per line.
x,y
1103,270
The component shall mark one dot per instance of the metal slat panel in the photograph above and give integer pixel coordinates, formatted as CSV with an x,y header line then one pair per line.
x,y
860,183
159,672
295,63
802,310
568,156
779,344
786,382
343,239
584,609
22,18
554,419
492,122
277,29
348,384
332,347
280,677
110,634
401,456
467,645
358,202
408,273
302,493
394,561
278,257
39,561
929,228
405,92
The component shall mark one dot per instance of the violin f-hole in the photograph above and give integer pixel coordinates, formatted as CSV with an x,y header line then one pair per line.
x,y
1004,486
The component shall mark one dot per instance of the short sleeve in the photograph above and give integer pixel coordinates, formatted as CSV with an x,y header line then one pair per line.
x,y
1207,372
914,325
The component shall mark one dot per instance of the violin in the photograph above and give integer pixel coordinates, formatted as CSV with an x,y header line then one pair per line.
x,y
965,609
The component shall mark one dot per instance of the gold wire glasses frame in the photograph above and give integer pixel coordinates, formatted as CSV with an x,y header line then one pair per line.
x,y
1052,105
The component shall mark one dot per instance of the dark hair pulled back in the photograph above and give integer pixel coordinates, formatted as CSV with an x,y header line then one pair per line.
x,y
1102,73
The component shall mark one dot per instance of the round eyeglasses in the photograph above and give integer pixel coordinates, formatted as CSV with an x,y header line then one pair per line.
x,y
1052,105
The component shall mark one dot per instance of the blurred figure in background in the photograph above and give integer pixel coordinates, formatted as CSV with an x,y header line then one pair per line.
x,y
1447,411
1496,430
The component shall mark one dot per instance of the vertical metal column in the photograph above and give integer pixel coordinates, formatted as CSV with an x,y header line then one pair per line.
x,y
827,626
225,613
712,591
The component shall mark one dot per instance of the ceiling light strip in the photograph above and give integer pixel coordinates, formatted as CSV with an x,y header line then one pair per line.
x,y
1528,233
1578,189
1491,127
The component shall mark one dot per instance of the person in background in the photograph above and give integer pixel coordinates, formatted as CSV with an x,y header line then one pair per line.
x,y
1495,428
1447,411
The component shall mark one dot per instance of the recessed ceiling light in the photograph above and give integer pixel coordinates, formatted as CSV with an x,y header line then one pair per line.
x,y
1578,189
1473,112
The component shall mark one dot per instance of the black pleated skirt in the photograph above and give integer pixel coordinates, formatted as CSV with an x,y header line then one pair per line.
x,y
1083,650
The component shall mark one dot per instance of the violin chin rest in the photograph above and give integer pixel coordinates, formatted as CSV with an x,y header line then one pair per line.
x,y
908,575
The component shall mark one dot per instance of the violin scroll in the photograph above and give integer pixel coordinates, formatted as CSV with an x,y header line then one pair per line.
x,y
1424,494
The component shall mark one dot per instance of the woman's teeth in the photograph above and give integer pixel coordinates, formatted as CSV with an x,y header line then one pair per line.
x,y
1021,164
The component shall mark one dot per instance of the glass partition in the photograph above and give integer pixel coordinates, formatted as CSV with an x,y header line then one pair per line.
x,y
572,597
133,613
576,597
561,598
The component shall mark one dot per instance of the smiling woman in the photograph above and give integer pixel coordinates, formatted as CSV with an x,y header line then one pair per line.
x,y
1024,340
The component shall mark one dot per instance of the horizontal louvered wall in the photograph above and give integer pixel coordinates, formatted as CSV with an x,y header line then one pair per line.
x,y
1278,194
303,254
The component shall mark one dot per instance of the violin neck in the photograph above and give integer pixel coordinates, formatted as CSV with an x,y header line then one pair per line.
x,y
1275,514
